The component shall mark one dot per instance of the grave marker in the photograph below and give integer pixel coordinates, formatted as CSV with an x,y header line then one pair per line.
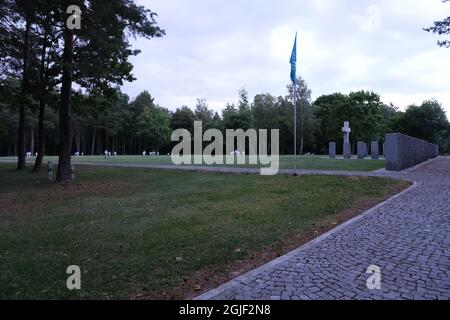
x,y
375,150
332,150
347,146
50,171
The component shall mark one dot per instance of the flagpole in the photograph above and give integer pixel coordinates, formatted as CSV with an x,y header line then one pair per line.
x,y
295,127
293,63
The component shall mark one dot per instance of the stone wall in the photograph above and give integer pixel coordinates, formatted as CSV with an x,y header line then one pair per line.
x,y
403,151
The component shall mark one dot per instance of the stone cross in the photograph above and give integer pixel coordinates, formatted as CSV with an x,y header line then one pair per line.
x,y
346,130
347,147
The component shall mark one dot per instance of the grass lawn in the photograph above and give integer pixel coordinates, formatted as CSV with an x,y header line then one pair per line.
x,y
139,233
286,162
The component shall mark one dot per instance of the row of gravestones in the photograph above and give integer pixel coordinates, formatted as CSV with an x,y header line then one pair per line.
x,y
362,152
363,149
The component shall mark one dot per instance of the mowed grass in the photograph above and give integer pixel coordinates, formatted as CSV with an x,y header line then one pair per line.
x,y
286,162
139,233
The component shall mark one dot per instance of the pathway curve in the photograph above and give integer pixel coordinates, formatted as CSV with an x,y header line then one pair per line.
x,y
408,237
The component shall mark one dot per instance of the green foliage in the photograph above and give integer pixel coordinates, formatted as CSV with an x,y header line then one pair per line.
x,y
428,122
203,113
441,28
103,44
234,118
101,50
154,127
364,110
183,119
142,101
264,110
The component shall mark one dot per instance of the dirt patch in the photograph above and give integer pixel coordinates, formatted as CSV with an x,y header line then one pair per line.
x,y
68,190
353,178
25,201
207,278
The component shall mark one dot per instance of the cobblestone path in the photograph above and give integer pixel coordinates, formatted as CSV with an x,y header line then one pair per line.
x,y
408,237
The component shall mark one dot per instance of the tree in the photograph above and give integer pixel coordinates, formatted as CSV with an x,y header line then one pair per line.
x,y
239,117
94,57
154,127
441,27
217,122
26,45
303,102
140,103
285,123
100,53
326,106
183,119
8,115
427,121
363,109
16,22
264,109
65,110
245,111
203,113
367,114
231,117
47,68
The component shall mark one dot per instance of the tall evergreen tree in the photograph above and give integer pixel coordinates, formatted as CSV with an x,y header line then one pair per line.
x,y
100,53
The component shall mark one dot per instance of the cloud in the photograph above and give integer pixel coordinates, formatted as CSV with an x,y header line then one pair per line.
x,y
404,100
213,48
418,72
371,21
324,5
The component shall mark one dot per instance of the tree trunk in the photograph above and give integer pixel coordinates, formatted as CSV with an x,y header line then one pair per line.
x,y
106,139
302,134
32,140
78,140
131,148
24,94
65,112
43,79
99,146
82,138
41,135
93,142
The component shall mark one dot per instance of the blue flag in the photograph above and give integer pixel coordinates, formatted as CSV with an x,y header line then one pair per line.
x,y
293,62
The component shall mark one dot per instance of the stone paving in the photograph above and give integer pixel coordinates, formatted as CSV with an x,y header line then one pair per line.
x,y
408,237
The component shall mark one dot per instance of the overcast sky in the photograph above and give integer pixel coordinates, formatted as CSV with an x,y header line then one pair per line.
x,y
213,48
